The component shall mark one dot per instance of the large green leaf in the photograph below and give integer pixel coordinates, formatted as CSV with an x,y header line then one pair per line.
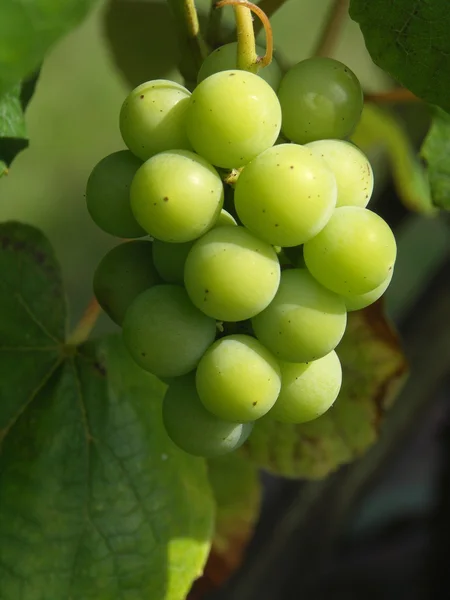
x,y
409,39
373,369
436,151
95,500
28,29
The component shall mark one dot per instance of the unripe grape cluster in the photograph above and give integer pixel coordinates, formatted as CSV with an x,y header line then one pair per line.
x,y
239,311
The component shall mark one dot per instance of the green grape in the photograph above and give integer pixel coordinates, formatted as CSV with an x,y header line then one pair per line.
x,y
320,98
224,58
194,429
123,273
304,321
358,302
238,379
225,219
354,175
230,274
170,258
354,253
308,390
176,196
108,195
232,117
286,195
165,333
153,118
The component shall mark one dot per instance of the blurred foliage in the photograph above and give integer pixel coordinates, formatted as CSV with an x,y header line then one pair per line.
x,y
13,130
237,491
436,152
378,127
28,30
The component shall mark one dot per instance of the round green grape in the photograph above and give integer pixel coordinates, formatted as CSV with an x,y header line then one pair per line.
x,y
165,333
354,253
308,390
194,429
170,258
286,195
320,98
363,300
304,321
238,379
153,118
232,117
230,274
108,195
123,273
224,58
354,175
176,196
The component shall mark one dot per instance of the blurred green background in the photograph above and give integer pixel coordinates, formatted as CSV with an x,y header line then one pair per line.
x,y
73,123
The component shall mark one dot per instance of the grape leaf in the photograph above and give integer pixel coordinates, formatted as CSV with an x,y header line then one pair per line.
x,y
95,500
28,30
436,151
155,49
373,370
151,52
237,492
409,39
13,133
380,129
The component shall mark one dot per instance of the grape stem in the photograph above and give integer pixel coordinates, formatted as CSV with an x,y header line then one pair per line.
x,y
247,59
86,324
332,28
186,18
193,27
398,95
246,40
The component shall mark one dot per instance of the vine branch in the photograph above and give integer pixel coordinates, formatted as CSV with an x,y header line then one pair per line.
x,y
267,58
86,324
332,28
400,95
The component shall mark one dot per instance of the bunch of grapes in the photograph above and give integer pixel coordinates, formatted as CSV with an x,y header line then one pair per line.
x,y
240,312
